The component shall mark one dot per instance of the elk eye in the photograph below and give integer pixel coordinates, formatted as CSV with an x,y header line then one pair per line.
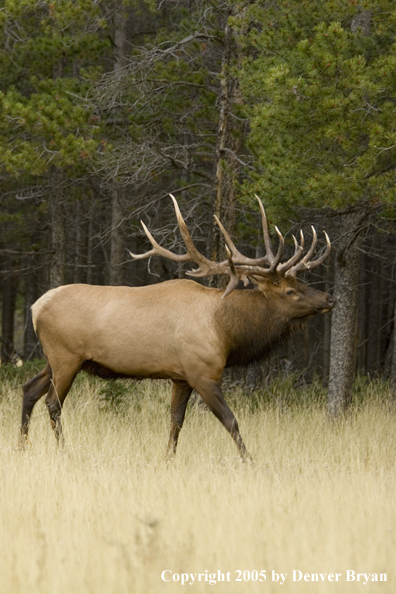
x,y
290,292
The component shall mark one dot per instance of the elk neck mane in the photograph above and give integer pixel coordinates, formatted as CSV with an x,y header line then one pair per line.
x,y
252,326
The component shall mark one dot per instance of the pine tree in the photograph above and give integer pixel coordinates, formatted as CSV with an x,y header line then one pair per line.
x,y
320,84
48,134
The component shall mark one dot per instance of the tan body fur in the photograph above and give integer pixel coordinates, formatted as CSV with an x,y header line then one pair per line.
x,y
131,332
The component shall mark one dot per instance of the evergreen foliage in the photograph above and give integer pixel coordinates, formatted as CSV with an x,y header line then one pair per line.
x,y
43,119
320,94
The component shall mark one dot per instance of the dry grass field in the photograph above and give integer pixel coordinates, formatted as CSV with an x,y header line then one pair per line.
x,y
106,515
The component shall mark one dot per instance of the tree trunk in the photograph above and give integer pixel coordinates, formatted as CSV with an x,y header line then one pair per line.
x,y
117,250
7,325
58,243
343,327
374,319
58,234
80,268
120,39
31,347
229,144
362,315
224,207
90,246
393,365
344,317
327,331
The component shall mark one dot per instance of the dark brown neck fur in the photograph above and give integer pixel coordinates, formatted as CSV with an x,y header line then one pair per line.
x,y
251,326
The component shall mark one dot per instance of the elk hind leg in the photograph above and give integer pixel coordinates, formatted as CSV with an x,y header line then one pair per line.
x,y
33,390
181,392
213,397
60,385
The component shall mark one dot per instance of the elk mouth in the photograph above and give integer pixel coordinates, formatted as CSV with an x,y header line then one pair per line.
x,y
329,305
317,310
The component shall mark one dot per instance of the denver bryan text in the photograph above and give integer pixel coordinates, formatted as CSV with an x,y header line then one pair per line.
x,y
350,576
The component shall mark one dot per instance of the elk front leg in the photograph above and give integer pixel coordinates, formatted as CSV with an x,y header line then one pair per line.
x,y
181,392
213,397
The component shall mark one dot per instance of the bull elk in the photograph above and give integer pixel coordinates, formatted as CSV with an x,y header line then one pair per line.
x,y
177,330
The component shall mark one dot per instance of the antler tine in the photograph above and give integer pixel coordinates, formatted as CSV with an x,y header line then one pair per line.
x,y
193,253
314,242
302,264
311,250
205,267
235,254
298,250
237,257
158,250
267,239
322,258
279,253
305,263
273,260
234,279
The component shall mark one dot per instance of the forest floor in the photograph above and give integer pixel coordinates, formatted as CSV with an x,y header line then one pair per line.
x,y
107,515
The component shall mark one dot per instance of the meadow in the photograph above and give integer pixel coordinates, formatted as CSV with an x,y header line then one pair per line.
x,y
107,515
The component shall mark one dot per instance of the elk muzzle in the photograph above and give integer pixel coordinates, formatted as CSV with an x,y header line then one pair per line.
x,y
330,303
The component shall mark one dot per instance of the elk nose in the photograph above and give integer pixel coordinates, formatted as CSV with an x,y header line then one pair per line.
x,y
331,300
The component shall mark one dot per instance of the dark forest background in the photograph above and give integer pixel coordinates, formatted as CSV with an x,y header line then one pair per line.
x,y
107,106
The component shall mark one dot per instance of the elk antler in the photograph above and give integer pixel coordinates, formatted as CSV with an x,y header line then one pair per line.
x,y
237,266
269,257
205,267
306,263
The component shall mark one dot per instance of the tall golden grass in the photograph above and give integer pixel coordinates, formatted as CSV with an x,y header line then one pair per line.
x,y
106,515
